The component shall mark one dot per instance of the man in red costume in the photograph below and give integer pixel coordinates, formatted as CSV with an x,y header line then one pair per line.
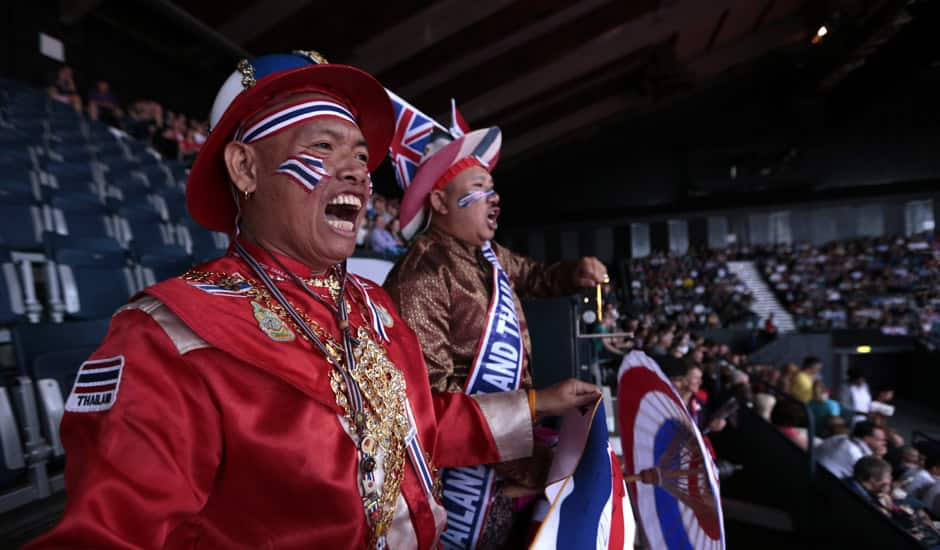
x,y
269,399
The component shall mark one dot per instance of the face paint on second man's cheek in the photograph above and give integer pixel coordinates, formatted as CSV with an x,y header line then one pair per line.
x,y
306,170
473,197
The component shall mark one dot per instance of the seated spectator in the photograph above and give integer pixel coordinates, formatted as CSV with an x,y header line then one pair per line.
x,y
790,419
821,406
675,370
871,478
834,425
144,119
856,397
103,105
609,350
915,476
764,405
930,496
770,329
802,387
788,378
839,453
62,88
382,240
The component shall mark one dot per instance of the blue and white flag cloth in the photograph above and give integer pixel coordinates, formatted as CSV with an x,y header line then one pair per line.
x,y
589,505
497,367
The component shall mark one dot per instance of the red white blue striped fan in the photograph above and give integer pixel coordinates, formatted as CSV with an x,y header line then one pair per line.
x,y
669,472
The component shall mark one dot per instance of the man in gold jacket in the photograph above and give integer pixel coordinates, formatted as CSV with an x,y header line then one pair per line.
x,y
447,287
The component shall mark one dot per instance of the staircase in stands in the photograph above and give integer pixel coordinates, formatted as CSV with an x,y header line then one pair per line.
x,y
765,302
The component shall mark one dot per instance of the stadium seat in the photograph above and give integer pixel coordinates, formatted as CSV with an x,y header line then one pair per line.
x,y
21,226
93,283
72,176
153,268
204,245
51,354
142,230
16,191
13,465
12,306
80,216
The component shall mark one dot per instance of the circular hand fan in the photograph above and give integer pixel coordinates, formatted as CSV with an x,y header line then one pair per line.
x,y
669,472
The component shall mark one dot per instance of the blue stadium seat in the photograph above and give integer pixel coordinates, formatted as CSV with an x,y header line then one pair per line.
x,y
21,226
93,284
157,176
174,201
129,187
12,306
69,152
51,354
71,177
13,463
203,244
143,231
81,218
16,191
153,268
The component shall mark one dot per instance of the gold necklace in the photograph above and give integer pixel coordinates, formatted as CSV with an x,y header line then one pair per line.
x,y
385,419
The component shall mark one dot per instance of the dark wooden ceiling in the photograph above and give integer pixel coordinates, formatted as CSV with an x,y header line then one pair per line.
x,y
541,69
724,81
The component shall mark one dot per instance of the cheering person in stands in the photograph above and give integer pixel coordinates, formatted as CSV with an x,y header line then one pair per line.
x,y
460,293
268,398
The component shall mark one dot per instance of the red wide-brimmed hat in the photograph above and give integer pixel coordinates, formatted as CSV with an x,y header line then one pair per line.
x,y
481,145
254,85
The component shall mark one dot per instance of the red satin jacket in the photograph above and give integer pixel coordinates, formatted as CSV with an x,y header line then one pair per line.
x,y
219,435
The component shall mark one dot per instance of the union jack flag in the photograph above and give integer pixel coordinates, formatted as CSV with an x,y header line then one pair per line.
x,y
413,131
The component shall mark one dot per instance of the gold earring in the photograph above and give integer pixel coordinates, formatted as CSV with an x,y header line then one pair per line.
x,y
247,195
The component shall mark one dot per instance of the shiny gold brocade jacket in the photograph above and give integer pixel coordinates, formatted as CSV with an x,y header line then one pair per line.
x,y
442,287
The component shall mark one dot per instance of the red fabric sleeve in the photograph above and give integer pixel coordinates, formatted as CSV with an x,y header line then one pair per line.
x,y
139,470
463,434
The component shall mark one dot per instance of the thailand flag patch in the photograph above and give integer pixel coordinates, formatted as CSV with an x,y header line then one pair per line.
x,y
96,385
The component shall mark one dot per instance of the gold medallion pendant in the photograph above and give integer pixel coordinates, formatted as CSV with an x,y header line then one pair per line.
x,y
271,324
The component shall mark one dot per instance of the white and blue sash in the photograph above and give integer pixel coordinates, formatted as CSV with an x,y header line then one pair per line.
x,y
497,367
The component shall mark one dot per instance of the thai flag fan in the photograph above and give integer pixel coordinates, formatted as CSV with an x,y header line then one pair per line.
x,y
670,474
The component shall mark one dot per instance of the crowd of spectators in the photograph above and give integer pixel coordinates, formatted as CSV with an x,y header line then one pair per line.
x,y
890,283
855,440
693,291
171,134
848,432
381,232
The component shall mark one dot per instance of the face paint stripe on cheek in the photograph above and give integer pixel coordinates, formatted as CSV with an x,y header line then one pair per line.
x,y
473,197
306,170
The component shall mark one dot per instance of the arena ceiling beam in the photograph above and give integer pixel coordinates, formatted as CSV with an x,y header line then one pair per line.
x,y
751,46
420,31
645,30
259,18
478,56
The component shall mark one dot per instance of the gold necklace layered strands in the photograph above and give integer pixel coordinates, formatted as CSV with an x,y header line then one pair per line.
x,y
381,420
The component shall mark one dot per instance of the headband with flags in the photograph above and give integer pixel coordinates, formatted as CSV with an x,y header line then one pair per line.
x,y
291,115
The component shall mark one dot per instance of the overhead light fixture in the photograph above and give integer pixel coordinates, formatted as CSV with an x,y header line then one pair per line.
x,y
863,349
820,33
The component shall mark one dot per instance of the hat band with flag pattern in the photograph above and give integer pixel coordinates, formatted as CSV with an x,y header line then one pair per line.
x,y
292,115
263,83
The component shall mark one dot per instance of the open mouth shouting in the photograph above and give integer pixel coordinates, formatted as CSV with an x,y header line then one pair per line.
x,y
342,213
491,216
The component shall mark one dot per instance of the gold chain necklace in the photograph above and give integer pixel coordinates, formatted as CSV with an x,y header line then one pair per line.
x,y
379,381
